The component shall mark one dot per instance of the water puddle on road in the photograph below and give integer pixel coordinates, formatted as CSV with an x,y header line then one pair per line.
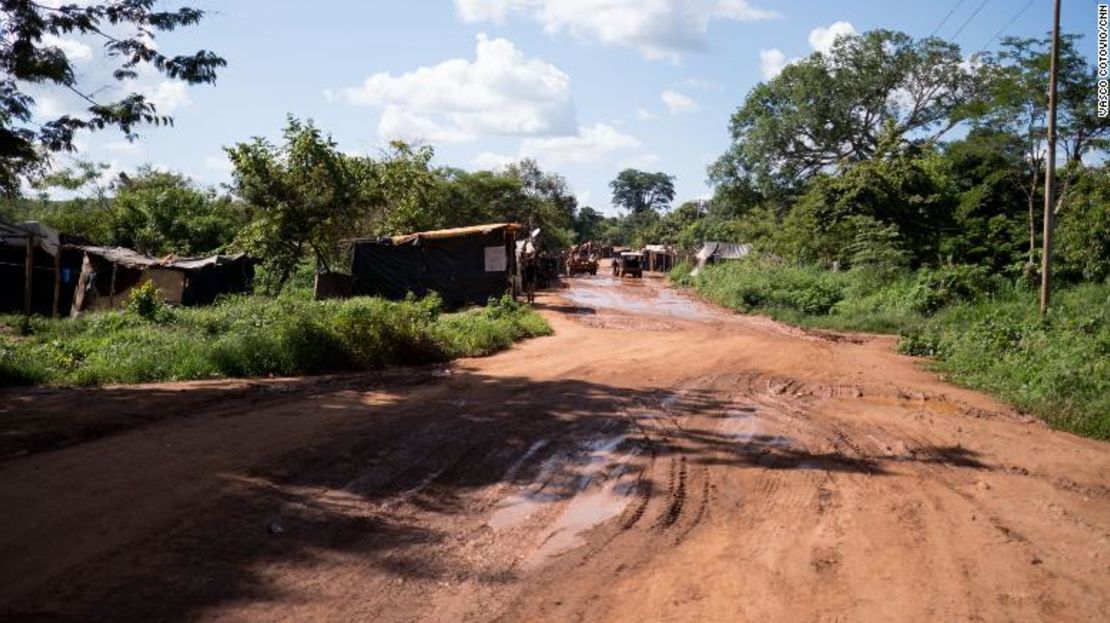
x,y
636,297
743,426
594,483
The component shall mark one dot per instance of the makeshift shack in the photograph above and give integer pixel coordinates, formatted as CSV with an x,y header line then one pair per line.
x,y
714,252
463,265
109,273
658,258
39,268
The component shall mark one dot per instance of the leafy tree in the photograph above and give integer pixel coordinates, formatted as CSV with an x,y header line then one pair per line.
x,y
983,172
588,224
640,191
403,190
896,188
86,212
832,108
159,212
1016,103
28,58
305,196
1084,228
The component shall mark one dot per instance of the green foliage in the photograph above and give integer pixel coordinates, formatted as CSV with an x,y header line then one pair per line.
x,y
1083,228
152,211
29,57
680,273
159,213
253,336
832,108
894,196
145,302
640,191
1059,369
853,299
939,287
304,193
749,285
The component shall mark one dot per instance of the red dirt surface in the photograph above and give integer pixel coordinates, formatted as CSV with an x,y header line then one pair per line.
x,y
657,459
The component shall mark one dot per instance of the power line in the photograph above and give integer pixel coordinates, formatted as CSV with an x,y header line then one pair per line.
x,y
945,20
969,18
1007,26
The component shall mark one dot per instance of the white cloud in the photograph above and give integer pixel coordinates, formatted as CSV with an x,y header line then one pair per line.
x,y
492,161
124,147
399,123
74,50
641,161
219,163
771,62
821,39
488,10
591,145
167,95
499,92
703,84
644,114
50,106
657,28
678,103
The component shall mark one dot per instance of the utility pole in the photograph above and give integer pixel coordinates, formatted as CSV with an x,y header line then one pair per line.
x,y
1050,168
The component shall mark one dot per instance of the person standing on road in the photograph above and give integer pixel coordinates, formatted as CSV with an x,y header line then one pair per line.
x,y
529,277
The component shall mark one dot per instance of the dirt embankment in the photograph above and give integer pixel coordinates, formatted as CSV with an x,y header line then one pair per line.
x,y
656,459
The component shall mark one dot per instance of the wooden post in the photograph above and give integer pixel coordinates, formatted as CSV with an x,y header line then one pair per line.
x,y
112,289
1050,169
28,270
57,278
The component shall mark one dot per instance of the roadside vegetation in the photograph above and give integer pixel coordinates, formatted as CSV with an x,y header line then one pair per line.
x,y
252,336
979,329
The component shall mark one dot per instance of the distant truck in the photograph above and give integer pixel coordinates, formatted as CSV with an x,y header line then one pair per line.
x,y
628,263
582,259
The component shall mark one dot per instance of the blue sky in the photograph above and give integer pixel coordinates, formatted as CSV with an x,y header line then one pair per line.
x,y
587,87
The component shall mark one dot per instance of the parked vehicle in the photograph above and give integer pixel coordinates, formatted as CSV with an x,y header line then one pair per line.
x,y
629,263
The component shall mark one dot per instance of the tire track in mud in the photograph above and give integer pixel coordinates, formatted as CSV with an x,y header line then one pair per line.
x,y
676,494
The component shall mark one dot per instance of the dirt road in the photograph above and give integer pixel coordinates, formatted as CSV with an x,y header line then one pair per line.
x,y
656,460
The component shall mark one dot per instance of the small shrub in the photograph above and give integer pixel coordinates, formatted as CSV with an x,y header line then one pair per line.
x,y
939,287
145,301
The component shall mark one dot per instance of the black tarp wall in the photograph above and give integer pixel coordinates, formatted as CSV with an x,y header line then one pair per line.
x,y
463,269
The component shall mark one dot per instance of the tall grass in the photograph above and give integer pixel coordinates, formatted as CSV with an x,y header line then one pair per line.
x,y
1058,369
253,336
980,331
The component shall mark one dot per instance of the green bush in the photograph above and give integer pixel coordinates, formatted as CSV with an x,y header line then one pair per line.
x,y
749,285
146,302
254,336
939,287
1058,369
680,274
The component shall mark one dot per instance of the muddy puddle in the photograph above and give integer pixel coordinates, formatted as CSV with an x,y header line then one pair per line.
x,y
743,425
593,484
636,297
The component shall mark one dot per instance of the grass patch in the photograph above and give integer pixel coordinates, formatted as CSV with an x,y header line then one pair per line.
x,y
252,336
1058,370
